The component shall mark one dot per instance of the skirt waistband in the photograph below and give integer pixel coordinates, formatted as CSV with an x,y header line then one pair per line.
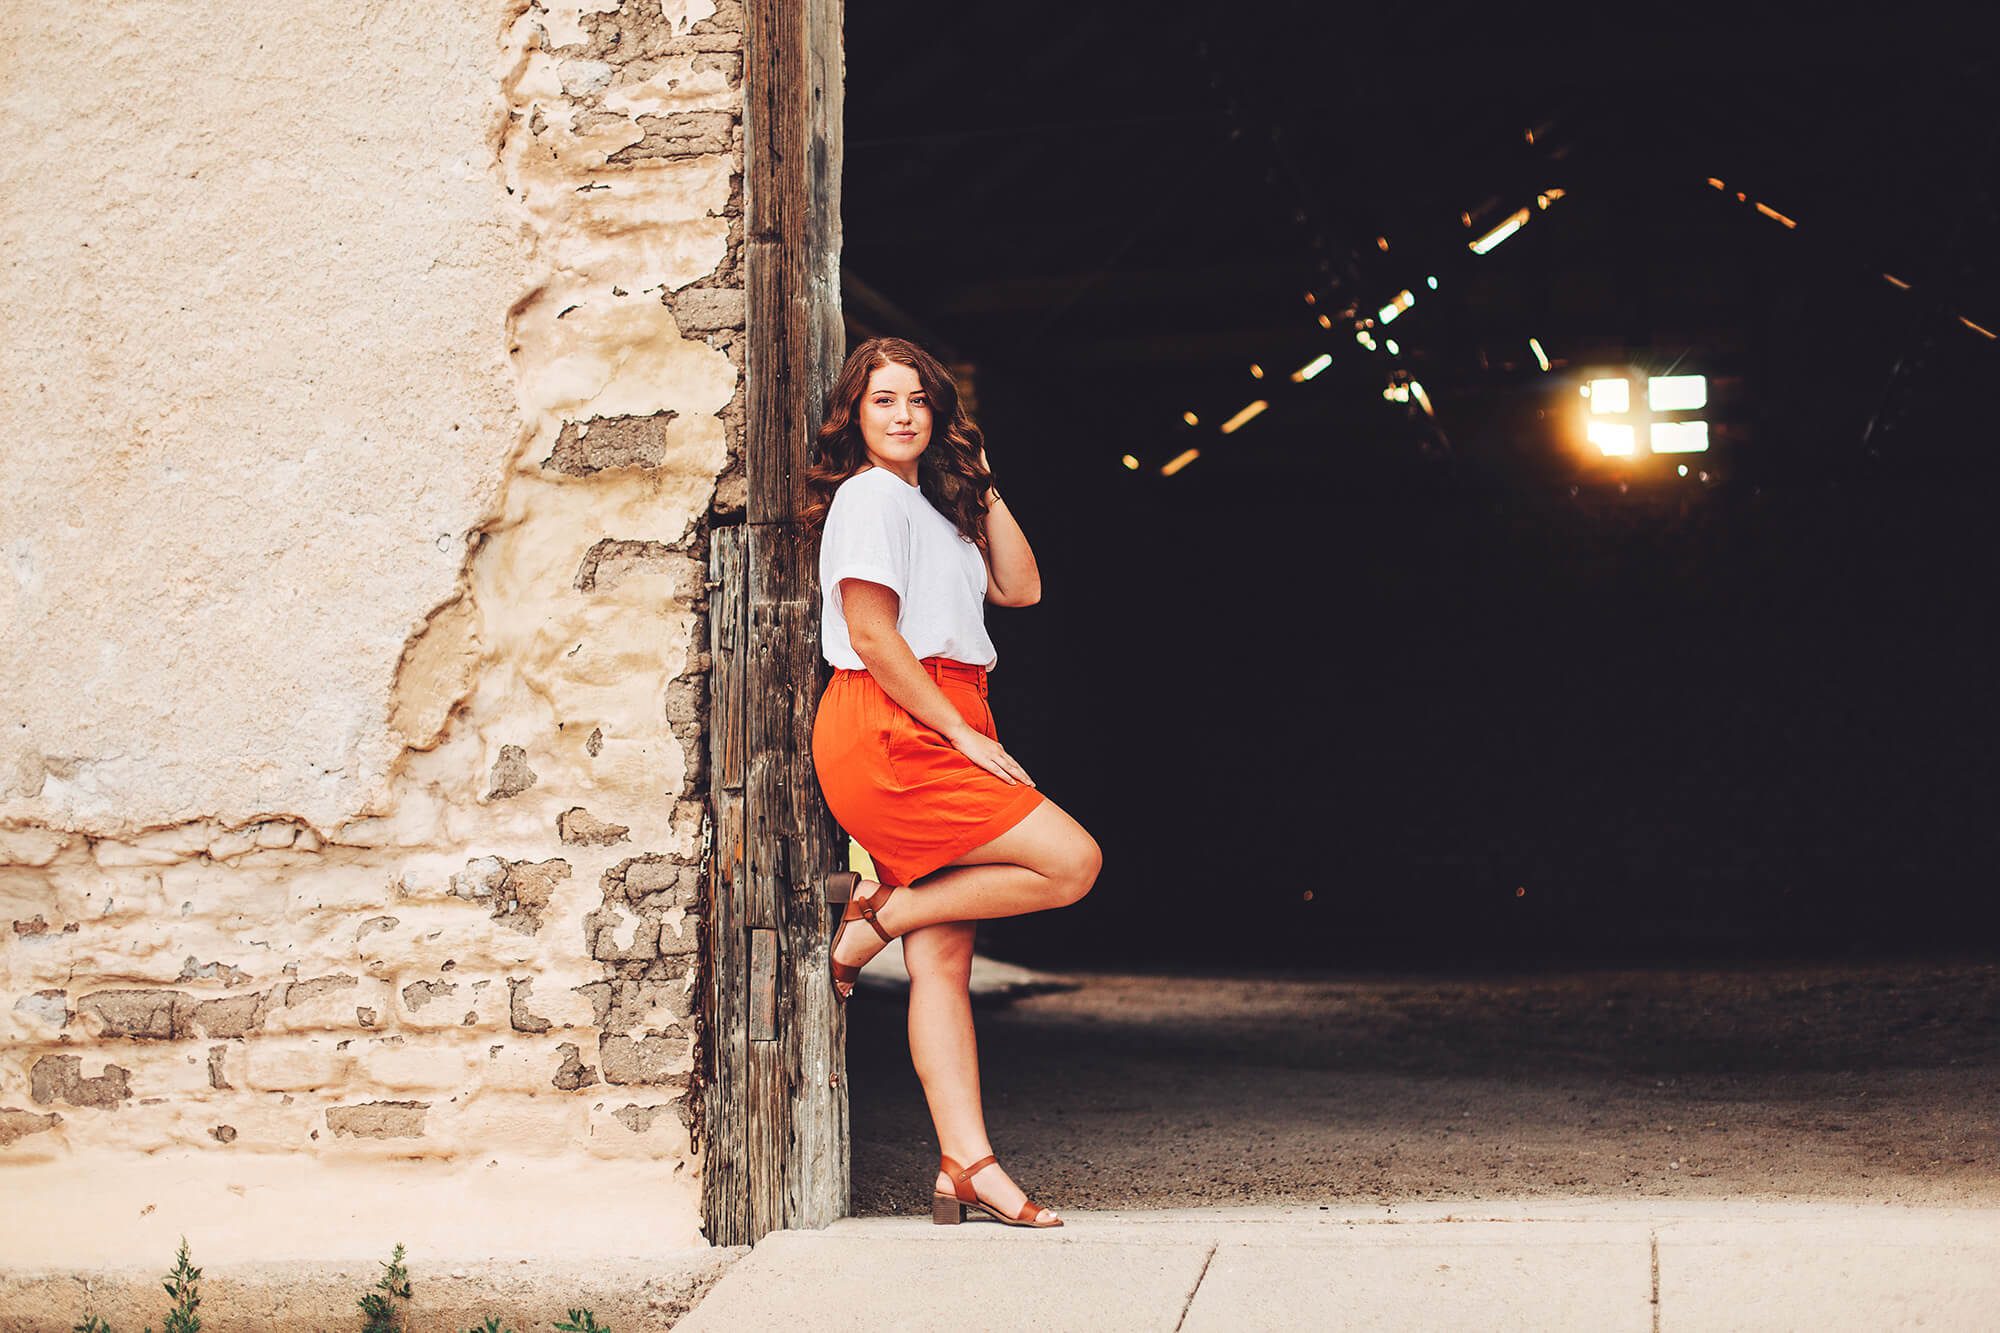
x,y
940,669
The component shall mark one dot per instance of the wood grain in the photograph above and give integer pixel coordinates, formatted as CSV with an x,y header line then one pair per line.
x,y
777,1089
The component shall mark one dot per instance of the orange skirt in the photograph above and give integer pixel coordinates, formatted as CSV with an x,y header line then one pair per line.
x,y
898,787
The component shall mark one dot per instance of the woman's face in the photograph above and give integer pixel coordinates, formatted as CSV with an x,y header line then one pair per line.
x,y
895,417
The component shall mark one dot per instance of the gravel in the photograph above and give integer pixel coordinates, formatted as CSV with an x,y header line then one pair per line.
x,y
1873,1081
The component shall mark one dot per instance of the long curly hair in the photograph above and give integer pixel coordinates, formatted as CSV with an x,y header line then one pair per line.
x,y
948,470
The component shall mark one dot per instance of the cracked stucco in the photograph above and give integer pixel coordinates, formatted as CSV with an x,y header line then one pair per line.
x,y
352,562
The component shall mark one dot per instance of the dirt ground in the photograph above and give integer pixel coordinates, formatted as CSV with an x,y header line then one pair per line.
x,y
1872,1081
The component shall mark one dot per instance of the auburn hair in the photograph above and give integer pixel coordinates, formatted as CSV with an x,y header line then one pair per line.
x,y
948,470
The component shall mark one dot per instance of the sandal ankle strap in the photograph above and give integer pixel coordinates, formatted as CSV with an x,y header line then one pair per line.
x,y
961,1176
865,908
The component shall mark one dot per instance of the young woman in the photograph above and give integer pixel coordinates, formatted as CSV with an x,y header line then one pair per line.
x,y
916,540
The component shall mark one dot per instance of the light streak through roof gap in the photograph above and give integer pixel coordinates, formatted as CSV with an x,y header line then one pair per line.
x,y
1229,426
1517,220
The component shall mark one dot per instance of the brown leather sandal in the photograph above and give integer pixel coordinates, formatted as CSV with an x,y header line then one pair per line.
x,y
949,1209
840,887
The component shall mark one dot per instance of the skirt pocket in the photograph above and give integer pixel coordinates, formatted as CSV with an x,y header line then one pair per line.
x,y
915,740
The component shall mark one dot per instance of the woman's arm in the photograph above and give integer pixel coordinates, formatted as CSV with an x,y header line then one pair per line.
x,y
870,610
1010,563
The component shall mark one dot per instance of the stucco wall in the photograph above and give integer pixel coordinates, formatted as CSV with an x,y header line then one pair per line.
x,y
373,373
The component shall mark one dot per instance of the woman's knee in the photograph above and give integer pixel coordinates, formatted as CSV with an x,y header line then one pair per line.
x,y
1080,865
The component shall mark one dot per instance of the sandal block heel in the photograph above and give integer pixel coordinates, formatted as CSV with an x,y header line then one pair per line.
x,y
839,885
946,1211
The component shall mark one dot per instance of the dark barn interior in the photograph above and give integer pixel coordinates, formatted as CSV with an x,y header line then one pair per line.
x,y
1404,676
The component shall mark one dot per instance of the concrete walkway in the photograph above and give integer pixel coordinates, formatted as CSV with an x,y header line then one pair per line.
x,y
1666,1265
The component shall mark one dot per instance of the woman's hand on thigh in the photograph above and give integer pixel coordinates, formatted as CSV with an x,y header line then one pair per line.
x,y
990,755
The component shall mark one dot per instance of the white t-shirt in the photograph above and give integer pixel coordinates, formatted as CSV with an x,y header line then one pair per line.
x,y
882,529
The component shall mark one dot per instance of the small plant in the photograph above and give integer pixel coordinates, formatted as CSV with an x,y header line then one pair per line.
x,y
380,1310
184,1285
383,1315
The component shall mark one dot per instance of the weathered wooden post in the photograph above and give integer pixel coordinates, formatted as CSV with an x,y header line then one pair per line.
x,y
776,1145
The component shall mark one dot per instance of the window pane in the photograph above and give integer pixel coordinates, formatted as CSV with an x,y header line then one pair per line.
x,y
1677,393
1680,437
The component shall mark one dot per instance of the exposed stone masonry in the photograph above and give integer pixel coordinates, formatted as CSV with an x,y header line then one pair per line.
x,y
497,953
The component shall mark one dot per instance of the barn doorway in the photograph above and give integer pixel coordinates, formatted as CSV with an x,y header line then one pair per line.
x,y
1501,503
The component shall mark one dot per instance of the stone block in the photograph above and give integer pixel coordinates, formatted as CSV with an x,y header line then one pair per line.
x,y
709,309
59,1080
140,1015
29,899
481,880
651,1003
16,1124
638,877
326,1002
652,1058
527,892
487,1007
680,936
418,996
263,1121
572,1075
491,1125
397,1064
111,854
560,1008
296,1064
378,1120
649,1130
34,847
610,563
214,889
680,134
176,1071
518,1064
38,1016
228,1016
337,887
610,442
577,827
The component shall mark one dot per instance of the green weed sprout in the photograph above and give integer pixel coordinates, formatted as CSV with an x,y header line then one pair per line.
x,y
379,1310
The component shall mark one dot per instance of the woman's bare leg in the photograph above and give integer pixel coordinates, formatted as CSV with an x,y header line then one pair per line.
x,y
1060,862
1046,860
946,1054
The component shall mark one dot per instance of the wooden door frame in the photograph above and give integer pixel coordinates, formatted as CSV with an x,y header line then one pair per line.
x,y
775,1128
